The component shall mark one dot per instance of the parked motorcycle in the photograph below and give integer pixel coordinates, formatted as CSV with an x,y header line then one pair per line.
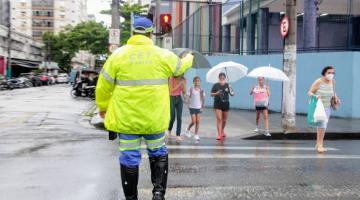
x,y
85,84
81,89
35,80
6,85
17,83
25,81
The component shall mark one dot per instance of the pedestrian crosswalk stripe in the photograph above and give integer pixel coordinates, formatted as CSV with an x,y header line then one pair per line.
x,y
256,156
194,147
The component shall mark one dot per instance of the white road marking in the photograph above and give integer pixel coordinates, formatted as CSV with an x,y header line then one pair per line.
x,y
194,147
257,156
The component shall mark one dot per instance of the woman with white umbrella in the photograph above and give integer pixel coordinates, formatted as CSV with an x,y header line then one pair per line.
x,y
221,91
221,74
261,93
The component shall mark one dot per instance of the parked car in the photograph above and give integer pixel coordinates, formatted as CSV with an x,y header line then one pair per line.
x,y
62,78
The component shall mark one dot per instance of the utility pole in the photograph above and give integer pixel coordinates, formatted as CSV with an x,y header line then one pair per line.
x,y
9,70
289,61
157,21
114,34
210,25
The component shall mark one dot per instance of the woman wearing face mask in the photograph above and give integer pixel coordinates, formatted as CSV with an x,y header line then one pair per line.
x,y
220,91
324,89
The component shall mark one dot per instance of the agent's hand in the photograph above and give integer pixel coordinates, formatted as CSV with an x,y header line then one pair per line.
x,y
318,97
189,56
102,114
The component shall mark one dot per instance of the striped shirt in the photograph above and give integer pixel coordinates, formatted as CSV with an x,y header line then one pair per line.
x,y
326,92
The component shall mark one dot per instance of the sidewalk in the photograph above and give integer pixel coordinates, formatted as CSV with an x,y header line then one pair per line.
x,y
241,124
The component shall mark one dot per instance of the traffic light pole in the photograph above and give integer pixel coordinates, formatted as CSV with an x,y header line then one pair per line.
x,y
157,21
9,70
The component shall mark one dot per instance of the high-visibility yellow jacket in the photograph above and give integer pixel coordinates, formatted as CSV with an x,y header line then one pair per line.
x,y
133,87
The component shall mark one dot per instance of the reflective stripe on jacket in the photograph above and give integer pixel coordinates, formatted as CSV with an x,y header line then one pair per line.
x,y
133,87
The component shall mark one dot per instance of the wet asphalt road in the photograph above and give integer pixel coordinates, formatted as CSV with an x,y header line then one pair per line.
x,y
49,151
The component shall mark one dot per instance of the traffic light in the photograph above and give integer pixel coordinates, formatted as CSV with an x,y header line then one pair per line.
x,y
165,23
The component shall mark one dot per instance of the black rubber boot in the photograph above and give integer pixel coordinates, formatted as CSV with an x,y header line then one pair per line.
x,y
129,181
159,174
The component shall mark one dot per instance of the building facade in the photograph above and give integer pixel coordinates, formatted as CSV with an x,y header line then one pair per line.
x,y
26,53
34,17
253,26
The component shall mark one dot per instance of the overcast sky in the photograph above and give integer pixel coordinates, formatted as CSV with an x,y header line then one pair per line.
x,y
95,6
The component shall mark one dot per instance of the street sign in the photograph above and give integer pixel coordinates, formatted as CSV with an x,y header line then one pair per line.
x,y
114,36
284,26
113,47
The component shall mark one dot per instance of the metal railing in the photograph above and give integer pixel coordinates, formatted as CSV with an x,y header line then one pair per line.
x,y
208,30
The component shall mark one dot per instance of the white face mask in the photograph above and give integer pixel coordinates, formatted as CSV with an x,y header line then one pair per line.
x,y
329,77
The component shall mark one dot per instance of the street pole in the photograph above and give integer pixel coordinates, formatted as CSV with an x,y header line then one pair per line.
x,y
115,15
9,70
157,21
210,25
131,23
289,61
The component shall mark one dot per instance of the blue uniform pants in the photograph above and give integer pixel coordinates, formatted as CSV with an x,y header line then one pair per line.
x,y
130,145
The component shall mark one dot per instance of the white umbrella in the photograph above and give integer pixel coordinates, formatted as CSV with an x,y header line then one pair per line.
x,y
269,72
234,71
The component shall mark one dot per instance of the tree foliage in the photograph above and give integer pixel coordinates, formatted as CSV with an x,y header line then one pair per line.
x,y
125,11
90,36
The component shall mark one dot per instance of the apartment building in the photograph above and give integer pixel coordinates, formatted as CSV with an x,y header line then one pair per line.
x,y
34,17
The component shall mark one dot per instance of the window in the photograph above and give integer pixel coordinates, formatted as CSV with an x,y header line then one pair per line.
x,y
23,4
23,13
62,16
37,33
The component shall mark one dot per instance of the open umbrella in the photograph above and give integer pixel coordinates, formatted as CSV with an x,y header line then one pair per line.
x,y
199,59
234,71
269,72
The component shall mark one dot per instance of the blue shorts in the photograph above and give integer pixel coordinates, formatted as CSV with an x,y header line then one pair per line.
x,y
324,124
194,111
130,145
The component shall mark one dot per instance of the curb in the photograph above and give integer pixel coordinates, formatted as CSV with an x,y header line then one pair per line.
x,y
306,136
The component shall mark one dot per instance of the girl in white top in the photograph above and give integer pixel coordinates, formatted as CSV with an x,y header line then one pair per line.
x,y
196,98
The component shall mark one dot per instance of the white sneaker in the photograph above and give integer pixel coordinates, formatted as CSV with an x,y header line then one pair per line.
x,y
188,134
256,130
267,134
197,138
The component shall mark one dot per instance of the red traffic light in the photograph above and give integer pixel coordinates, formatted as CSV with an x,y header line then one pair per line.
x,y
165,19
165,23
